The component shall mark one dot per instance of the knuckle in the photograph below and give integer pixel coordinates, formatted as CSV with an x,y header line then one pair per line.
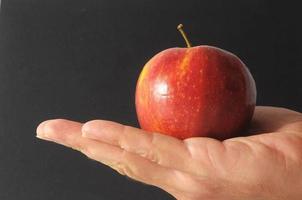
x,y
152,154
121,141
189,148
119,169
124,170
125,166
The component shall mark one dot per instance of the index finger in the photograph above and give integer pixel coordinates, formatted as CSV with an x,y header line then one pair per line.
x,y
270,119
68,133
162,149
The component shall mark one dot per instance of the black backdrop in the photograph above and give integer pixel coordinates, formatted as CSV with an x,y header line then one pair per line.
x,y
79,59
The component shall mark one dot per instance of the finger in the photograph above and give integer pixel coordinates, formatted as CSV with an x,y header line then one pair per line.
x,y
270,119
68,133
161,149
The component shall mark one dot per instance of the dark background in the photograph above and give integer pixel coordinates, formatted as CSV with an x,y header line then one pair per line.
x,y
80,59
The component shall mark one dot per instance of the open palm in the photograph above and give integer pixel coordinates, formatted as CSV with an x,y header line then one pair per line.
x,y
266,165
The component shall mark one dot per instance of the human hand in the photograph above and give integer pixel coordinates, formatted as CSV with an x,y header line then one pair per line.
x,y
262,166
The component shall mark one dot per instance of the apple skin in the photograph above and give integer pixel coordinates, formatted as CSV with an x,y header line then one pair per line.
x,y
192,92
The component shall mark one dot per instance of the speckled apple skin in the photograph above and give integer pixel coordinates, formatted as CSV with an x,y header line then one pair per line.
x,y
192,92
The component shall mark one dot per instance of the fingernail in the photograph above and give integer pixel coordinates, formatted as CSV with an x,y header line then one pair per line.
x,y
88,131
40,130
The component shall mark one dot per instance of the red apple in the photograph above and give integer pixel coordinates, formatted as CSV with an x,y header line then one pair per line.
x,y
195,91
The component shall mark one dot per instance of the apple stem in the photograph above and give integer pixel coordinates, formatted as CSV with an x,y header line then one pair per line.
x,y
180,28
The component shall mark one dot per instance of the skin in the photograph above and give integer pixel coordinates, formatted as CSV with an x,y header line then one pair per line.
x,y
264,166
